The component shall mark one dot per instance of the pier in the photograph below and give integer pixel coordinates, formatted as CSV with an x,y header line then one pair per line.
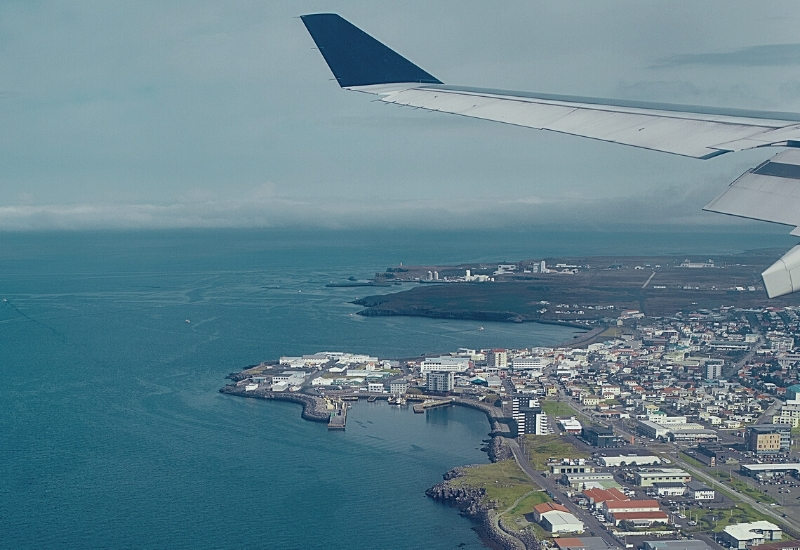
x,y
431,404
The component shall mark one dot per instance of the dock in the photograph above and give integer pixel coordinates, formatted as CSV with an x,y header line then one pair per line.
x,y
338,418
431,404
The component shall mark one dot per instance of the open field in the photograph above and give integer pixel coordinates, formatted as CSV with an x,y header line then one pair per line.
x,y
516,514
504,482
557,408
543,447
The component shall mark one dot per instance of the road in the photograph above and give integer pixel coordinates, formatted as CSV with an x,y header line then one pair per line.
x,y
547,483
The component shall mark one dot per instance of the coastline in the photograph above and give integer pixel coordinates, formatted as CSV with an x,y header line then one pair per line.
x,y
469,501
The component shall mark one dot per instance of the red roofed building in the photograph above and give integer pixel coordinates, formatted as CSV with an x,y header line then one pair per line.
x,y
545,507
610,507
597,497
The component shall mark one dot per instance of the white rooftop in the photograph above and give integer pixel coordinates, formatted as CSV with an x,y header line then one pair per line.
x,y
746,531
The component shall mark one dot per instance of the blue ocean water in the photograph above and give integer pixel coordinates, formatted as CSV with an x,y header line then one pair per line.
x,y
113,434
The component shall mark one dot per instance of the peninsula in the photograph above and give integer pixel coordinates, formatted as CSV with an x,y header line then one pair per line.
x,y
585,291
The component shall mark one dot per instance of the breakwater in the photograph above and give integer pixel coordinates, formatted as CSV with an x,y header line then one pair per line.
x,y
313,407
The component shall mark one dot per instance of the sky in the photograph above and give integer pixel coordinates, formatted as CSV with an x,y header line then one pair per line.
x,y
222,114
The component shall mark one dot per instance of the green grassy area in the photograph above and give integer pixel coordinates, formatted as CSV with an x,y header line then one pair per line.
x,y
504,482
691,460
542,447
557,408
516,515
743,487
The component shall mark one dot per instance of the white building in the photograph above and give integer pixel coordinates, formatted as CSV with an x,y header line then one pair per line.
x,y
628,460
743,535
497,358
561,522
398,387
699,491
440,381
444,364
375,387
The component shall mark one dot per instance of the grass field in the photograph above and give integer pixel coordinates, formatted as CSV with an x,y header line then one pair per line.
x,y
542,447
504,482
557,408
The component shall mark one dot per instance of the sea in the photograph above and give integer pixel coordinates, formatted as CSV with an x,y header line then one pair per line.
x,y
113,346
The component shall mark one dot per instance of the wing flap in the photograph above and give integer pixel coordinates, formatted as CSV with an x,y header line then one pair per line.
x,y
770,192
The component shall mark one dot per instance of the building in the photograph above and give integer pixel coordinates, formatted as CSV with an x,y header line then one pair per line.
x,y
497,358
440,382
699,491
398,387
570,425
529,363
545,507
668,489
692,544
639,519
783,545
646,478
442,364
599,437
375,387
589,543
530,418
577,467
793,392
613,508
579,481
628,460
743,535
769,470
714,369
597,497
561,522
710,454
768,438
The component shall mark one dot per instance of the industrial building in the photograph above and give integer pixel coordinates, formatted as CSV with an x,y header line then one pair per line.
x,y
579,481
769,470
599,437
628,460
742,535
646,478
556,518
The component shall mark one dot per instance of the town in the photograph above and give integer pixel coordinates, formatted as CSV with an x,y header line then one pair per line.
x,y
676,433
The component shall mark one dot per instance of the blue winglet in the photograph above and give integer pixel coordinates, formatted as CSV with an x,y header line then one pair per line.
x,y
357,59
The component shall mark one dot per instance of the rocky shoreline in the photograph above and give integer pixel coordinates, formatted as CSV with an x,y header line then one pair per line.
x,y
470,503
488,316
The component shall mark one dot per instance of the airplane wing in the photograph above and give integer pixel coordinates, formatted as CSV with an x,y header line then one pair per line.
x,y
361,63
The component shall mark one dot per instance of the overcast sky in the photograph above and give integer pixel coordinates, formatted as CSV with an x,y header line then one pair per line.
x,y
198,114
